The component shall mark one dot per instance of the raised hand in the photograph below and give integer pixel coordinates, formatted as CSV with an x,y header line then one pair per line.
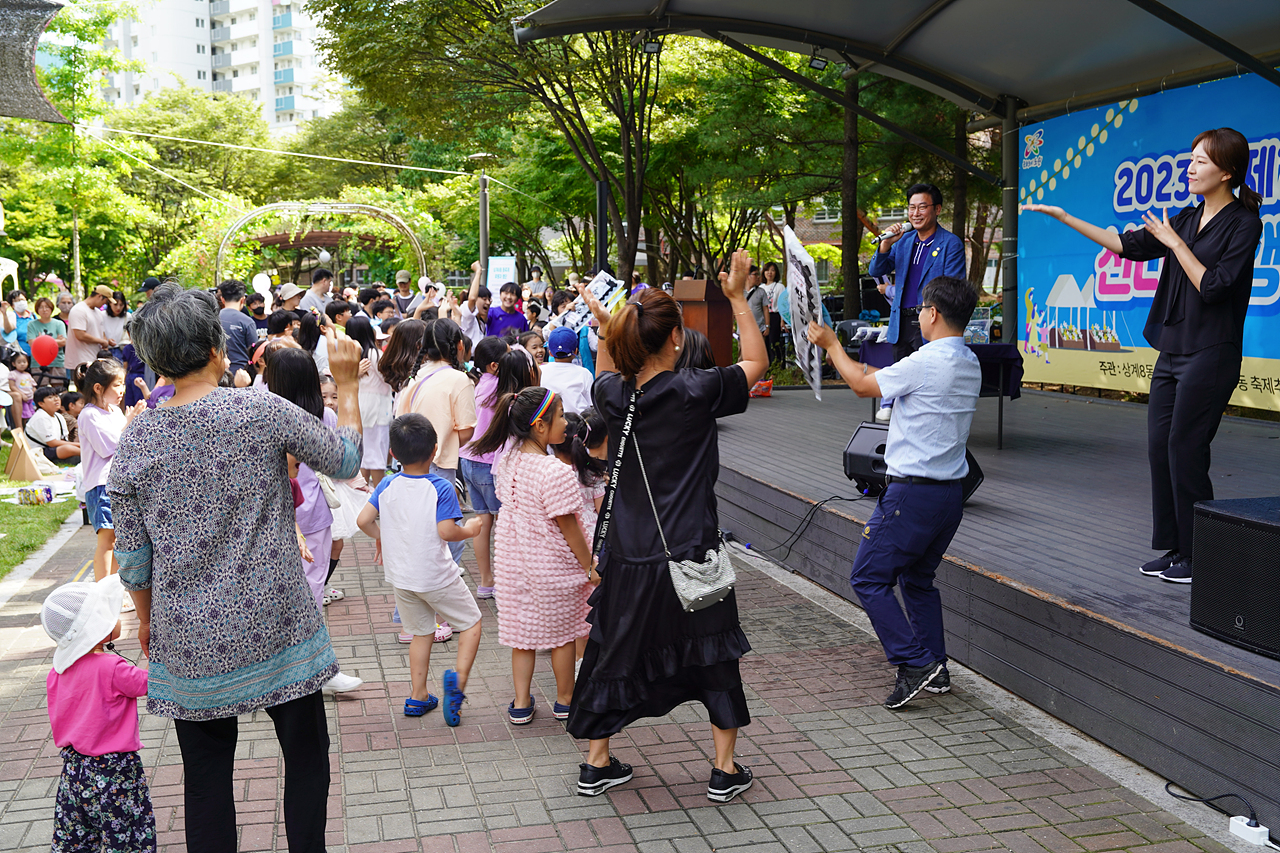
x,y
1048,209
734,282
1161,230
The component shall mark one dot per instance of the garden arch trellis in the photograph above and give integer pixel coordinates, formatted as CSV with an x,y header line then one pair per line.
x,y
319,208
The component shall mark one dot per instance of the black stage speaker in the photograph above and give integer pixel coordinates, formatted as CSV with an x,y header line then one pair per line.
x,y
864,461
1235,595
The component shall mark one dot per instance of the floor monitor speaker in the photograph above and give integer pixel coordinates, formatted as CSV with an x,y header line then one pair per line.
x,y
1236,592
864,461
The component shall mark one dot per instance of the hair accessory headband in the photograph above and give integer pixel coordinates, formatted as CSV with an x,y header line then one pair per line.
x,y
542,410
639,308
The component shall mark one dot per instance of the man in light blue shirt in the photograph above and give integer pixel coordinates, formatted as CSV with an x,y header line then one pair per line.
x,y
936,389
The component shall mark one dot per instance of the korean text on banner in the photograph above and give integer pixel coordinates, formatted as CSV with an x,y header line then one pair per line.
x,y
806,305
502,269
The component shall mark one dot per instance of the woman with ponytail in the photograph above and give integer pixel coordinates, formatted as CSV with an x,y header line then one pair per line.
x,y
1197,324
645,654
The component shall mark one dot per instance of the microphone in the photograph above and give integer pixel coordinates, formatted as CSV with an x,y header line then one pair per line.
x,y
906,226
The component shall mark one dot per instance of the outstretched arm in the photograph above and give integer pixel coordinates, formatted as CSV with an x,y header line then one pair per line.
x,y
754,360
1104,238
858,376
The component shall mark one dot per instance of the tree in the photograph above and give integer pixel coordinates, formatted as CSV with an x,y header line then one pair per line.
x,y
183,111
460,57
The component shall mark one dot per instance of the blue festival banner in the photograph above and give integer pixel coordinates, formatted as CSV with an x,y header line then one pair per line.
x,y
1082,308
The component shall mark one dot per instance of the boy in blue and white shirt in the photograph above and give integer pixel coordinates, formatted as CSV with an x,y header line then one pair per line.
x,y
417,563
904,541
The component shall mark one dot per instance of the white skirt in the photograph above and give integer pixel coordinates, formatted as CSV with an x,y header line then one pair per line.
x,y
377,441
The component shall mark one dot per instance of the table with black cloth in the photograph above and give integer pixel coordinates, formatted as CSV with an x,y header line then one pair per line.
x,y
1001,373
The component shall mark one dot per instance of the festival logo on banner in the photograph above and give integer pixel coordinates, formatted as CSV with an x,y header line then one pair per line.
x,y
1084,308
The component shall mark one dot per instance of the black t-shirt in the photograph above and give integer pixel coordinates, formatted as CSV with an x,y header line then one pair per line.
x,y
242,334
1183,319
675,429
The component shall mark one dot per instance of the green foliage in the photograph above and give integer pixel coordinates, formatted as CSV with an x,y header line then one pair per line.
x,y
192,261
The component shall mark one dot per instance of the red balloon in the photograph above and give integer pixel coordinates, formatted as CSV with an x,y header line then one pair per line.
x,y
44,349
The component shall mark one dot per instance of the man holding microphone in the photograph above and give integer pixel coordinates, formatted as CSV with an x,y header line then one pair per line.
x,y
916,252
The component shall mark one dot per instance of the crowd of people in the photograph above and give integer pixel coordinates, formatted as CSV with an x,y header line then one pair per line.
x,y
510,428
373,411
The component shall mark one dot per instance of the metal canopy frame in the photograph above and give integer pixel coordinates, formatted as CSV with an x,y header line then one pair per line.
x,y
807,28
317,208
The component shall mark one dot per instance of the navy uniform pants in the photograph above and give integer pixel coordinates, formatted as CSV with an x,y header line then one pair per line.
x,y
902,545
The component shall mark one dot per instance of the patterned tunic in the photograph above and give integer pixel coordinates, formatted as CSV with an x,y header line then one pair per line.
x,y
204,518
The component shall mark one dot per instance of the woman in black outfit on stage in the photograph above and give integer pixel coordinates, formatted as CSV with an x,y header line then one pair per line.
x,y
1197,324
645,655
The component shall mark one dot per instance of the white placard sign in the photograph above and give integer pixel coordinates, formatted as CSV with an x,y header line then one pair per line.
x,y
610,291
806,305
502,269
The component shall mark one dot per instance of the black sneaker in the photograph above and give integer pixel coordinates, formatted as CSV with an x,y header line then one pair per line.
x,y
941,682
1157,566
723,787
594,781
911,680
1179,572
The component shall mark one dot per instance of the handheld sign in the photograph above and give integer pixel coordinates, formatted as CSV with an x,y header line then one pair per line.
x,y
806,305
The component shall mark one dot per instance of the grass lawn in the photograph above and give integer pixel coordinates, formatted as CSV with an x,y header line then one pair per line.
x,y
27,528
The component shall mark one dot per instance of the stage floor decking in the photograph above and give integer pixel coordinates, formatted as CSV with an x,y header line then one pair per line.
x,y
1041,584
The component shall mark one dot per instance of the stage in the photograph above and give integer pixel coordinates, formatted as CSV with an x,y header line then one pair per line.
x,y
1041,584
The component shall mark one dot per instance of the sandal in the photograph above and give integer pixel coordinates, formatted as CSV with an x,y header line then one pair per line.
x,y
334,594
416,707
443,632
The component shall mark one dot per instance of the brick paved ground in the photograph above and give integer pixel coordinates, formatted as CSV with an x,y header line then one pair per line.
x,y
835,771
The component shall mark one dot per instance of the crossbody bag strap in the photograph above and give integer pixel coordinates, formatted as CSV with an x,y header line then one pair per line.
x,y
611,490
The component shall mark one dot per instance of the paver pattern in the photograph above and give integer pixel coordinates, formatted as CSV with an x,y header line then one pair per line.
x,y
834,769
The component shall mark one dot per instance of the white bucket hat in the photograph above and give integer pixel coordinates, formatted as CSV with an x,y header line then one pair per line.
x,y
78,616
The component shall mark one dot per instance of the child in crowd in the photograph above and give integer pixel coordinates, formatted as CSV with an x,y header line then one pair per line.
x,y
47,429
533,344
291,374
72,404
351,494
154,396
505,315
586,450
542,560
417,564
375,401
477,469
103,802
101,422
22,385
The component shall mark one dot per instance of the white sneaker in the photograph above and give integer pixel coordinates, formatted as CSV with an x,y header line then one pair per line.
x,y
341,684
882,414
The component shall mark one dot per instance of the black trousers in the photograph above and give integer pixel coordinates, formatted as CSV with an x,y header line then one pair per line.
x,y
777,349
909,338
208,753
1189,393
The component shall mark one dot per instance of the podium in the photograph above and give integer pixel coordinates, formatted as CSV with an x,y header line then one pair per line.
x,y
707,310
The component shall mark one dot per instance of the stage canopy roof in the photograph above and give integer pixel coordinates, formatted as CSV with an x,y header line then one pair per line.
x,y
1054,56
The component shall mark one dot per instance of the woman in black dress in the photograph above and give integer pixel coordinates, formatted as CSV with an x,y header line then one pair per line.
x,y
646,655
1197,324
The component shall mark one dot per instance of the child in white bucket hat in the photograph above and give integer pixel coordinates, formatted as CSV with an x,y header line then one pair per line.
x,y
103,801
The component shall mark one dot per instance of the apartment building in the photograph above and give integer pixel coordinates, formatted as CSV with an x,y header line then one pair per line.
x,y
263,50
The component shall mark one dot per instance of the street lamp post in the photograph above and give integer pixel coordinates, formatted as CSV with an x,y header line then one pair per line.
x,y
484,218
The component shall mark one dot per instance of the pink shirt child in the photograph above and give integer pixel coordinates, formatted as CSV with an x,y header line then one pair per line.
x,y
93,705
99,435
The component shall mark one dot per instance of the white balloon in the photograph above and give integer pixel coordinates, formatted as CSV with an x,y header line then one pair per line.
x,y
325,257
262,283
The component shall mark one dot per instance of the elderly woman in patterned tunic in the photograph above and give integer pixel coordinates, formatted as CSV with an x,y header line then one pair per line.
x,y
207,547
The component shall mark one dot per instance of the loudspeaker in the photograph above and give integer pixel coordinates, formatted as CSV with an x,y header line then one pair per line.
x,y
864,461
1235,595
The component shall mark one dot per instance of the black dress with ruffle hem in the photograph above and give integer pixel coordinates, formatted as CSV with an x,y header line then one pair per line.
x,y
645,655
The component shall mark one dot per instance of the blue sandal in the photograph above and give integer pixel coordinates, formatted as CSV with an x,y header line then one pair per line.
x,y
416,708
452,699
